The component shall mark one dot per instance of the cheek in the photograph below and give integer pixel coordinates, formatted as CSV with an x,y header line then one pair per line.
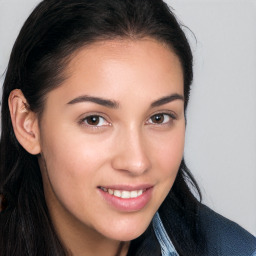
x,y
72,165
169,153
70,151
71,177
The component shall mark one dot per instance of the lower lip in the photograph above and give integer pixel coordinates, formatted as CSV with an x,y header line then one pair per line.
x,y
129,204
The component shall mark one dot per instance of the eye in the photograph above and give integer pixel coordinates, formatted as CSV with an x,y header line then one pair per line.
x,y
161,118
94,120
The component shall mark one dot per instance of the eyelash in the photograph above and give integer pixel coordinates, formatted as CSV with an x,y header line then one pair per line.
x,y
98,119
171,117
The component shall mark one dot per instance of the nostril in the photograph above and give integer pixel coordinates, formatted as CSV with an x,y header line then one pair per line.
x,y
131,164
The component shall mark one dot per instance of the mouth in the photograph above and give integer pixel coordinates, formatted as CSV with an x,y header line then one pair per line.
x,y
127,198
125,194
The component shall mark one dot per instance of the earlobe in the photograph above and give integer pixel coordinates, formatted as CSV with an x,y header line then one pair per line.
x,y
24,122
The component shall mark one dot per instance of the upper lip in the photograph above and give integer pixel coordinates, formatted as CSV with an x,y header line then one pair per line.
x,y
128,187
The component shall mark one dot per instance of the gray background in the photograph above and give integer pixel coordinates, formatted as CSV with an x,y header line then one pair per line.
x,y
221,132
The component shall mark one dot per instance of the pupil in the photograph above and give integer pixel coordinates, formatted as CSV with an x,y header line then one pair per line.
x,y
93,120
158,118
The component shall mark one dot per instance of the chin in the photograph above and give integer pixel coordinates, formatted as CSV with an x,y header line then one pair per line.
x,y
126,232
127,236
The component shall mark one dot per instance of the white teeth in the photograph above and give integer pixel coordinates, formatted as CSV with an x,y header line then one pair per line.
x,y
110,191
124,194
140,192
134,194
117,193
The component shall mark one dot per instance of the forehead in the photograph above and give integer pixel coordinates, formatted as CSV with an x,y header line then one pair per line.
x,y
114,67
125,50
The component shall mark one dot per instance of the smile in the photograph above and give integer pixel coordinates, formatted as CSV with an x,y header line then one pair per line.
x,y
127,198
123,193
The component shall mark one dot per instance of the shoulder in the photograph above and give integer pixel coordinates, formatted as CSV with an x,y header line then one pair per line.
x,y
224,237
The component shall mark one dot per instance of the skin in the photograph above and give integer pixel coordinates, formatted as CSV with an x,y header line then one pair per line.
x,y
126,145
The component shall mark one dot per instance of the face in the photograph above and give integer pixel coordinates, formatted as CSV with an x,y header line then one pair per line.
x,y
112,137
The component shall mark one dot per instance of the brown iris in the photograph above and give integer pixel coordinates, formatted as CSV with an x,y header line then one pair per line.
x,y
158,119
93,120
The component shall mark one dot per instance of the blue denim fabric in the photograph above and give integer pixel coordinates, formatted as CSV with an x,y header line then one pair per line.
x,y
166,244
224,237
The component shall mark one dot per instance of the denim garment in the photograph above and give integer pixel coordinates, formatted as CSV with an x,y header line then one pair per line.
x,y
166,244
223,237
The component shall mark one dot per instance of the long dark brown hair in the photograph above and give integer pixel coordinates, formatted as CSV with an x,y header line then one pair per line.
x,y
54,30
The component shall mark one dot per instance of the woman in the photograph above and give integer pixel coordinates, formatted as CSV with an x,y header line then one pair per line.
x,y
93,134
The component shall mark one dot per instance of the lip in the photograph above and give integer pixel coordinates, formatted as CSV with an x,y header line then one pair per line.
x,y
128,187
130,204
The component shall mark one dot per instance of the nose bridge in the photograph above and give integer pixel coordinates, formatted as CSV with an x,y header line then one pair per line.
x,y
131,154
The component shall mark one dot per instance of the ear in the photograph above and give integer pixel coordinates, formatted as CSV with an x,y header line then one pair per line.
x,y
24,122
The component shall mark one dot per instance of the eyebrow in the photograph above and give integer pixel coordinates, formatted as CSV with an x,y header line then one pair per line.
x,y
167,99
113,104
97,100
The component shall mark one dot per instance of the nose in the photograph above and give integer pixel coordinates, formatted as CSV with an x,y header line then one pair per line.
x,y
131,154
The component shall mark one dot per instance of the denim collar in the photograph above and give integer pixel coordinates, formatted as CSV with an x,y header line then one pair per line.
x,y
167,247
